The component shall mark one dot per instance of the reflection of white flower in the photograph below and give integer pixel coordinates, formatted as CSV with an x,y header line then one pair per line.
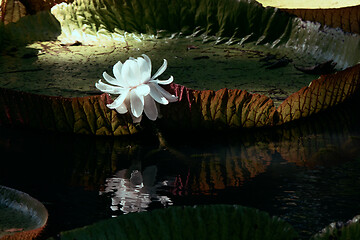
x,y
137,88
134,193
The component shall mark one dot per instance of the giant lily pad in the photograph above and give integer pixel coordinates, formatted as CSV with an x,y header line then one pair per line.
x,y
21,216
202,222
217,52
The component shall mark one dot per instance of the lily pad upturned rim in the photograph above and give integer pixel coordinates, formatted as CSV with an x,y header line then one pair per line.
x,y
220,109
345,18
205,109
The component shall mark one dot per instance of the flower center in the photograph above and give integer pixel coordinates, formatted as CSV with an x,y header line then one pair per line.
x,y
131,88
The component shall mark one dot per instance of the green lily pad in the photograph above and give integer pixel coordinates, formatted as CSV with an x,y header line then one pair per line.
x,y
50,68
202,222
21,216
340,230
219,53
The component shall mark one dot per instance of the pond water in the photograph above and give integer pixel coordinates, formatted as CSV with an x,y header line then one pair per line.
x,y
307,174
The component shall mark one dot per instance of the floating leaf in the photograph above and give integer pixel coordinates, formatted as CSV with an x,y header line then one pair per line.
x,y
200,109
220,21
87,115
202,222
258,28
21,216
323,93
340,231
346,18
218,109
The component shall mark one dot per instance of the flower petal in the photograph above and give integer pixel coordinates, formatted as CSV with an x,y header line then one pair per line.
x,y
150,108
156,94
136,103
109,88
131,73
113,80
161,70
148,61
167,95
117,70
122,108
120,81
119,100
136,119
142,90
109,78
163,82
143,65
145,72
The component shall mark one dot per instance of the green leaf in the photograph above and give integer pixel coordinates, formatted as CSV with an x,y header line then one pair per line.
x,y
340,231
202,222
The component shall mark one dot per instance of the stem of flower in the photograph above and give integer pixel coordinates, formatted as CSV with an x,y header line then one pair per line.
x,y
162,142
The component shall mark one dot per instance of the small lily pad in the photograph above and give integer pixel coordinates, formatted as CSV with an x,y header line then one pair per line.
x,y
340,230
21,216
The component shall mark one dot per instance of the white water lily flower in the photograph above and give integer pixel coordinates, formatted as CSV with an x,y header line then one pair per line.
x,y
138,90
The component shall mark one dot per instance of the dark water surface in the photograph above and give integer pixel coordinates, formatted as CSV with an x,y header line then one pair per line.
x,y
308,174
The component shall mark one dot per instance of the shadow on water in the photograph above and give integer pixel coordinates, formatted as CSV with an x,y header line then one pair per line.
x,y
307,173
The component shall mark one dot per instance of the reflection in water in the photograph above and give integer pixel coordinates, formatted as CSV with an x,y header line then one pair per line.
x,y
314,198
134,193
319,150
307,174
227,166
